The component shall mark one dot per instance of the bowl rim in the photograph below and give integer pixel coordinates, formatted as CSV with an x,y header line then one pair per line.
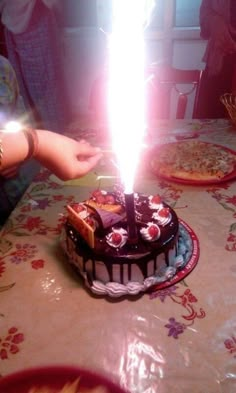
x,y
47,375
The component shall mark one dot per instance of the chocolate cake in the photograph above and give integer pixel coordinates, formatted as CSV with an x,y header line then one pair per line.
x,y
96,241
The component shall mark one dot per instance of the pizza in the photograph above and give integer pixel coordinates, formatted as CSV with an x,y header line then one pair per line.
x,y
193,160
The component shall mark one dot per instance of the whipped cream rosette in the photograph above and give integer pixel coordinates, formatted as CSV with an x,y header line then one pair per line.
x,y
155,202
117,237
162,216
150,233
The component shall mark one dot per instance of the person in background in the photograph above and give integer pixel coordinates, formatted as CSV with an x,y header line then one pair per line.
x,y
14,181
22,153
9,91
34,47
218,26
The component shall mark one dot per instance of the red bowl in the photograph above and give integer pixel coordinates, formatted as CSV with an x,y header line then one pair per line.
x,y
54,377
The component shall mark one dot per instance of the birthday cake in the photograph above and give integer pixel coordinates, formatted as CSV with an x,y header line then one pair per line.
x,y
96,241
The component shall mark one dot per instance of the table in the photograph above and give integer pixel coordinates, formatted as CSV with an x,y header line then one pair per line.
x,y
179,339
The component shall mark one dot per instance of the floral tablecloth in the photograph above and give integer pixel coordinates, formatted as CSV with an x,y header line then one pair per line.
x,y
179,339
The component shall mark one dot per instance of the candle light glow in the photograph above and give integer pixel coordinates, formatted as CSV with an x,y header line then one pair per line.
x,y
12,127
126,86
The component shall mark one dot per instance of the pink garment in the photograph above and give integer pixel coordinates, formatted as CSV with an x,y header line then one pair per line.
x,y
16,14
213,55
36,55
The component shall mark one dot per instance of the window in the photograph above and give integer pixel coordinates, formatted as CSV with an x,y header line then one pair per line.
x,y
173,25
104,12
172,36
174,32
181,13
187,13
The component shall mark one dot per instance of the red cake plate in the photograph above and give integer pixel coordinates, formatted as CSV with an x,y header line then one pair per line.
x,y
54,378
191,262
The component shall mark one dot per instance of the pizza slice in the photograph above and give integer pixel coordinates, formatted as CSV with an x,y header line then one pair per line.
x,y
193,160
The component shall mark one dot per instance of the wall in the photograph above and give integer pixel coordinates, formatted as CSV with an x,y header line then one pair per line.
x,y
84,60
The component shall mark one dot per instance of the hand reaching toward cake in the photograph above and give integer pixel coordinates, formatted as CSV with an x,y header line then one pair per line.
x,y
65,157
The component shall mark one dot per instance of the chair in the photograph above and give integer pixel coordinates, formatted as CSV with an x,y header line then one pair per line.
x,y
162,80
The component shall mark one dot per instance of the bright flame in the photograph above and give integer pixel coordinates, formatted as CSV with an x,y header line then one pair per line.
x,y
12,127
126,86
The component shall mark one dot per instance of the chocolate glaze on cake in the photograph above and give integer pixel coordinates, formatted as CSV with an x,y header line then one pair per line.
x,y
131,262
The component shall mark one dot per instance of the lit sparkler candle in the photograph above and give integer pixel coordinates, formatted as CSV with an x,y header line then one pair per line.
x,y
126,96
